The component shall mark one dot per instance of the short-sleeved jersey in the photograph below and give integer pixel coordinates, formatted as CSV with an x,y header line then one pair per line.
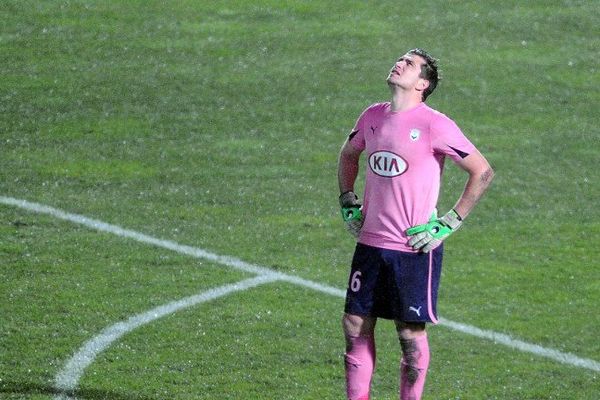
x,y
405,159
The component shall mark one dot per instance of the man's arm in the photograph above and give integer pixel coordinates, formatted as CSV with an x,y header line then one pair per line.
x,y
428,236
480,176
348,165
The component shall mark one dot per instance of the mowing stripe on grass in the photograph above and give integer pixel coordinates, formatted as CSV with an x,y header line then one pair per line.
x,y
506,340
67,380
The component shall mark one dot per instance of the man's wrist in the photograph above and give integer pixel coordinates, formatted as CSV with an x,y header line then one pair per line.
x,y
452,219
349,199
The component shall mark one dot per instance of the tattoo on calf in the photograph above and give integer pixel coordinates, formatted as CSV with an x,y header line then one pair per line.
x,y
410,357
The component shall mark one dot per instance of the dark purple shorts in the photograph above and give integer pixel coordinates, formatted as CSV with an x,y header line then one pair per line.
x,y
395,285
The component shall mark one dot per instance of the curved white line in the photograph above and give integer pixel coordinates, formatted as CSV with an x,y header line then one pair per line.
x,y
565,358
67,380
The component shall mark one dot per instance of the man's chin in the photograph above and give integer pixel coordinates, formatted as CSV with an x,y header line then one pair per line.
x,y
391,83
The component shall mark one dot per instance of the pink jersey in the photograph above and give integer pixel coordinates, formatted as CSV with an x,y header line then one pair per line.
x,y
405,159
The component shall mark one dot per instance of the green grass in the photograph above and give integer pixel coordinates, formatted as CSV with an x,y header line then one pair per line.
x,y
217,125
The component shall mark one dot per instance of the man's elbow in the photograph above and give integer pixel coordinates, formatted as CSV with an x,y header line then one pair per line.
x,y
487,175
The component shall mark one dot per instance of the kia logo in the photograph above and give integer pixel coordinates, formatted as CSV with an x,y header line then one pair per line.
x,y
387,164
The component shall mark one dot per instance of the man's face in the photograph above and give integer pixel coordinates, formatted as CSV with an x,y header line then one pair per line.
x,y
405,72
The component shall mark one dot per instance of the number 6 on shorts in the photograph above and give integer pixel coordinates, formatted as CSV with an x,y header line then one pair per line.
x,y
355,281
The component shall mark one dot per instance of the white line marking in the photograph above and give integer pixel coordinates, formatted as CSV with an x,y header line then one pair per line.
x,y
68,378
556,355
565,358
140,237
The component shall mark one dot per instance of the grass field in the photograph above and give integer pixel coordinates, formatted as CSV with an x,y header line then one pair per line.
x,y
216,125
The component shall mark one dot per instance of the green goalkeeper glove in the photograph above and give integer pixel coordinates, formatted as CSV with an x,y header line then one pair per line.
x,y
351,212
428,236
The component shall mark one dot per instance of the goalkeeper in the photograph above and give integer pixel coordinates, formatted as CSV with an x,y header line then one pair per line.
x,y
396,266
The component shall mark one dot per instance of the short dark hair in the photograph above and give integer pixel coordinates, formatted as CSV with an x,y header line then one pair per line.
x,y
429,70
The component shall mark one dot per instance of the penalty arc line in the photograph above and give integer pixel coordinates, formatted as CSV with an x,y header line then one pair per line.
x,y
566,358
67,380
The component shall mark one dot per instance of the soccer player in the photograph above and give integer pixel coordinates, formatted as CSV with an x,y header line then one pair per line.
x,y
396,266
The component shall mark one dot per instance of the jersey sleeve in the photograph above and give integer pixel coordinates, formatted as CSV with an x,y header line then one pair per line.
x,y
448,139
357,136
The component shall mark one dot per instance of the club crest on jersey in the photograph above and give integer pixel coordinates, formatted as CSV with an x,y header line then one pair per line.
x,y
415,134
387,164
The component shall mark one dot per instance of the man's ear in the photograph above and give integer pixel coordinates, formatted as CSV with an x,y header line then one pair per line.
x,y
422,84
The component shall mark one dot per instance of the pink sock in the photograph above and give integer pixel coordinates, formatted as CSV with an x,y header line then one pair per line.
x,y
413,367
360,362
